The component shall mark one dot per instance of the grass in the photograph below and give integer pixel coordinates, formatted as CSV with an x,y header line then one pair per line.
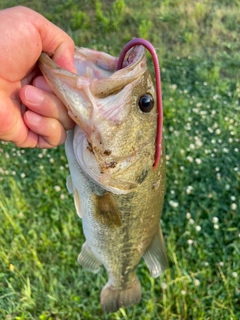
x,y
41,235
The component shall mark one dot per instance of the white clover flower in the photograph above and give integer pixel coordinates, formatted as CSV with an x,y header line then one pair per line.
x,y
41,167
183,292
40,155
173,204
198,228
61,168
189,189
233,206
213,141
164,286
210,130
173,86
216,226
22,175
221,264
233,198
218,131
190,159
227,187
236,149
225,150
13,173
235,169
234,274
191,221
215,219
206,264
51,160
198,143
190,242
198,161
188,215
62,196
197,282
217,169
57,188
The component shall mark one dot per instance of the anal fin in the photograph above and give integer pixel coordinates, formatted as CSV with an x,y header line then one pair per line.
x,y
155,257
87,259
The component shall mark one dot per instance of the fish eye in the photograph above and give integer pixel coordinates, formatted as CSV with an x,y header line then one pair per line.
x,y
146,103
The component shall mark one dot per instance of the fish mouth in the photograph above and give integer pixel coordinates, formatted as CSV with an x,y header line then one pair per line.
x,y
98,87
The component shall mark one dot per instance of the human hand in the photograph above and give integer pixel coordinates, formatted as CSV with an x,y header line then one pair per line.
x,y
31,115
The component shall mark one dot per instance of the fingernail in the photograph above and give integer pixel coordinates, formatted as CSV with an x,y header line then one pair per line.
x,y
34,95
41,83
33,118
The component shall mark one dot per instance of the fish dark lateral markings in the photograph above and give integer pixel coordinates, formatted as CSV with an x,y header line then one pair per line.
x,y
117,174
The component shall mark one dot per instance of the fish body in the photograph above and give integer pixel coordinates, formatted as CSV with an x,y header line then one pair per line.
x,y
117,192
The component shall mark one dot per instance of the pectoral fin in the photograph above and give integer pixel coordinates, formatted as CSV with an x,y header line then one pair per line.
x,y
77,202
155,256
69,184
87,259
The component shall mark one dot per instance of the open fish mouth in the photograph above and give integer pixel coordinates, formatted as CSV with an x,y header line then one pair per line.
x,y
103,101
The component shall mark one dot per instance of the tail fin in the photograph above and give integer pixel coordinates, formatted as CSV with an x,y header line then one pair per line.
x,y
112,299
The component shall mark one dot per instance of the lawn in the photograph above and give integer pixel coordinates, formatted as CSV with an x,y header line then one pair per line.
x,y
198,44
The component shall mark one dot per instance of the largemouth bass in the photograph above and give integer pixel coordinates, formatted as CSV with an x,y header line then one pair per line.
x,y
117,191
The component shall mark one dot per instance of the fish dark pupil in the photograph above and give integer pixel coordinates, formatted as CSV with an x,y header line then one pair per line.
x,y
146,103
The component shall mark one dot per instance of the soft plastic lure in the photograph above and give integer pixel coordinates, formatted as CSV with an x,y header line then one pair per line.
x,y
151,49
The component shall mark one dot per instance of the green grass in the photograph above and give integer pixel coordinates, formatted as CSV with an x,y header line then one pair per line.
x,y
40,237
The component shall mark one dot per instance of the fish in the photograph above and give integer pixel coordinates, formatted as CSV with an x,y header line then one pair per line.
x,y
118,191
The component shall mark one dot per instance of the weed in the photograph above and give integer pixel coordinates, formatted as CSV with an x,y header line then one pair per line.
x,y
41,235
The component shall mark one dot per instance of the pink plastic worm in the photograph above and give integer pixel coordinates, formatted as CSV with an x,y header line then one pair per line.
x,y
151,49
